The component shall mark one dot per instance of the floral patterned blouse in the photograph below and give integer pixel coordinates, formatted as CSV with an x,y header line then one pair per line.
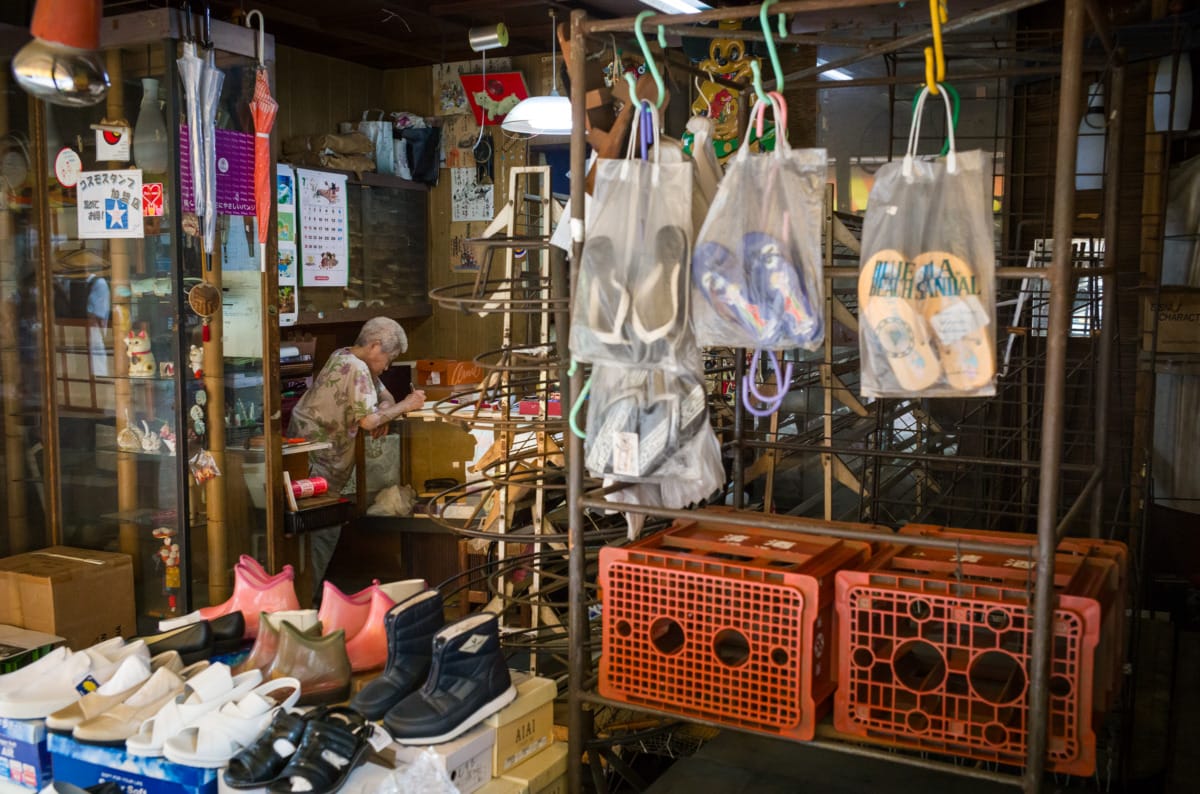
x,y
342,394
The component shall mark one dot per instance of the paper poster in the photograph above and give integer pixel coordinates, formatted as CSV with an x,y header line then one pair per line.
x,y
235,173
109,204
289,279
462,255
324,242
494,95
470,201
459,134
449,97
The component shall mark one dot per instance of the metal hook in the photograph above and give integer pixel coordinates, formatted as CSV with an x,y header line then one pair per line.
x,y
261,32
573,416
649,59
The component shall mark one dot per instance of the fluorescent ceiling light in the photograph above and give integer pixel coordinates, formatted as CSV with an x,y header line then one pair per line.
x,y
677,6
833,74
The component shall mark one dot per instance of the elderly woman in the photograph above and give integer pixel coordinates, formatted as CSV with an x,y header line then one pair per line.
x,y
345,397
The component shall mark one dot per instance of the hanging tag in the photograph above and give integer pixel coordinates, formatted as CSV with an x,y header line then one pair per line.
x,y
625,454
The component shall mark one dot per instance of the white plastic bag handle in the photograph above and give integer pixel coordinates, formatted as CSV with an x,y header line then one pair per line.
x,y
635,130
914,134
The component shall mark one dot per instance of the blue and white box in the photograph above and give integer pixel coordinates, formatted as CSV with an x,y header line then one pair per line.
x,y
89,764
24,757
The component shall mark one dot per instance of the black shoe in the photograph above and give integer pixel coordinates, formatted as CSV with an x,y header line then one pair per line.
x,y
468,680
194,642
227,633
410,626
331,748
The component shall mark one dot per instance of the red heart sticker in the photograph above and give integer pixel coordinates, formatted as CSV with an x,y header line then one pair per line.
x,y
152,199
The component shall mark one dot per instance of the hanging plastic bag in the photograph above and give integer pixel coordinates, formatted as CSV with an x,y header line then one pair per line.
x,y
631,304
926,294
639,420
203,467
756,270
380,132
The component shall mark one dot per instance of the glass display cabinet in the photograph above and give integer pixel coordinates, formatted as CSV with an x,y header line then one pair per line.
x,y
156,422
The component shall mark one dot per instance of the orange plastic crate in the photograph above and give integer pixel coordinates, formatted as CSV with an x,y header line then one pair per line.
x,y
718,621
1111,654
938,660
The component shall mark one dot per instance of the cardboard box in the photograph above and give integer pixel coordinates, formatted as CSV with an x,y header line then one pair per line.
x,y
19,647
89,764
545,773
55,590
468,758
24,757
448,372
500,785
525,726
1178,322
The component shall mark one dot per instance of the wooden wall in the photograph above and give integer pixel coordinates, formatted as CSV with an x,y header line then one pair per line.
x,y
315,92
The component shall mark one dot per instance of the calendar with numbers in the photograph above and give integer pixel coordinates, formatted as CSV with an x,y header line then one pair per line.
x,y
324,238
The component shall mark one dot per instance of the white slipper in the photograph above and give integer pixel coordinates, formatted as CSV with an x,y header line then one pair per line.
x,y
888,313
204,692
954,307
222,733
303,619
404,589
116,724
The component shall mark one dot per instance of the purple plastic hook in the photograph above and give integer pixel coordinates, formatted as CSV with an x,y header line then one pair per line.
x,y
749,389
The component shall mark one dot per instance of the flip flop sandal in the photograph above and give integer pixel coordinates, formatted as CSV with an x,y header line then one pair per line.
x,y
717,274
607,298
954,309
329,751
619,416
260,762
654,317
780,286
895,325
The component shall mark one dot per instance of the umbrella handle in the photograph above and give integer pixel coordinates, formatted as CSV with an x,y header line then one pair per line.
x,y
261,32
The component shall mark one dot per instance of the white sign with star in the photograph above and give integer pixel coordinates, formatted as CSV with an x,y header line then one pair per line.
x,y
109,204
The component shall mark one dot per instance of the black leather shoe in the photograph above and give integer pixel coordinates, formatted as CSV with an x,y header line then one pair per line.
x,y
332,747
227,633
468,680
194,642
261,762
410,626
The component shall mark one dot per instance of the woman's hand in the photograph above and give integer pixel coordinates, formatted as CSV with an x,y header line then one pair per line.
x,y
412,402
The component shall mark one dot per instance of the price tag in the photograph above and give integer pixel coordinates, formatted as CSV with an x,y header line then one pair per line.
x,y
625,454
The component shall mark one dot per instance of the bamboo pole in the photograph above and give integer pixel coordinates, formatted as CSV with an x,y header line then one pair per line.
x,y
214,384
10,369
119,256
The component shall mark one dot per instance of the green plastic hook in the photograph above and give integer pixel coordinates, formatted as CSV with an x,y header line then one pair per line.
x,y
763,13
649,59
573,416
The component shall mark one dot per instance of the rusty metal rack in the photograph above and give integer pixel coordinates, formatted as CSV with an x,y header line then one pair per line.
x,y
893,461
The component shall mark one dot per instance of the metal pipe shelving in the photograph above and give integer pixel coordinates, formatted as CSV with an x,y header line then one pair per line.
x,y
1060,278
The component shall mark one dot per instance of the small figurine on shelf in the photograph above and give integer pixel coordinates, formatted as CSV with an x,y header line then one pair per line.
x,y
151,443
168,438
129,439
141,358
168,558
196,360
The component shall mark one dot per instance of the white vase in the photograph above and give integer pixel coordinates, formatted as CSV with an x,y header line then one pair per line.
x,y
1164,118
1089,148
150,132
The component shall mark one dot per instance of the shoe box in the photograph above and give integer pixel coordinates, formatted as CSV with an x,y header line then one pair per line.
x,y
24,757
88,764
54,590
468,758
500,785
544,773
525,726
19,647
440,378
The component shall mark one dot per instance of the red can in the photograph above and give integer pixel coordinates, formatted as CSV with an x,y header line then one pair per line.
x,y
310,486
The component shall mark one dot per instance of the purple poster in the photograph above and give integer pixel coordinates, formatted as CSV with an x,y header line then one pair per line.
x,y
235,172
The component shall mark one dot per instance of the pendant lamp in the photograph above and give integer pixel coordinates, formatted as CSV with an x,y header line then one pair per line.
x,y
63,64
542,115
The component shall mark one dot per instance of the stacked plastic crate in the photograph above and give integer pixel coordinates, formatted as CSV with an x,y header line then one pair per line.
x,y
934,648
713,620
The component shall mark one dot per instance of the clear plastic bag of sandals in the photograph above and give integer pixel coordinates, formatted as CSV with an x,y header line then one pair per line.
x,y
926,294
641,422
756,269
631,301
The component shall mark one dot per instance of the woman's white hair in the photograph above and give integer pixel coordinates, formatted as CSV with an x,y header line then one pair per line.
x,y
387,332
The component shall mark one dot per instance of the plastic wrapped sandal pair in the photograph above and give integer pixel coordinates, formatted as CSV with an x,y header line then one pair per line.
x,y
314,752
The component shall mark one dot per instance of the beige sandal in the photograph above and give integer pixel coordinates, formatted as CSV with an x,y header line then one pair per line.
x,y
888,308
953,302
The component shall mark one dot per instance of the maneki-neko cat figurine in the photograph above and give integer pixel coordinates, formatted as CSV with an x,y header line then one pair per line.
x,y
141,358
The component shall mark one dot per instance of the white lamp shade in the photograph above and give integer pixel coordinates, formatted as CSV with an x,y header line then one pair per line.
x,y
540,115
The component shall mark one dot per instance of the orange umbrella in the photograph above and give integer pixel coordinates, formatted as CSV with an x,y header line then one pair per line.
x,y
263,108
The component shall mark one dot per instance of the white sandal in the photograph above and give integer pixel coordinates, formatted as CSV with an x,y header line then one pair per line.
x,y
205,692
220,734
